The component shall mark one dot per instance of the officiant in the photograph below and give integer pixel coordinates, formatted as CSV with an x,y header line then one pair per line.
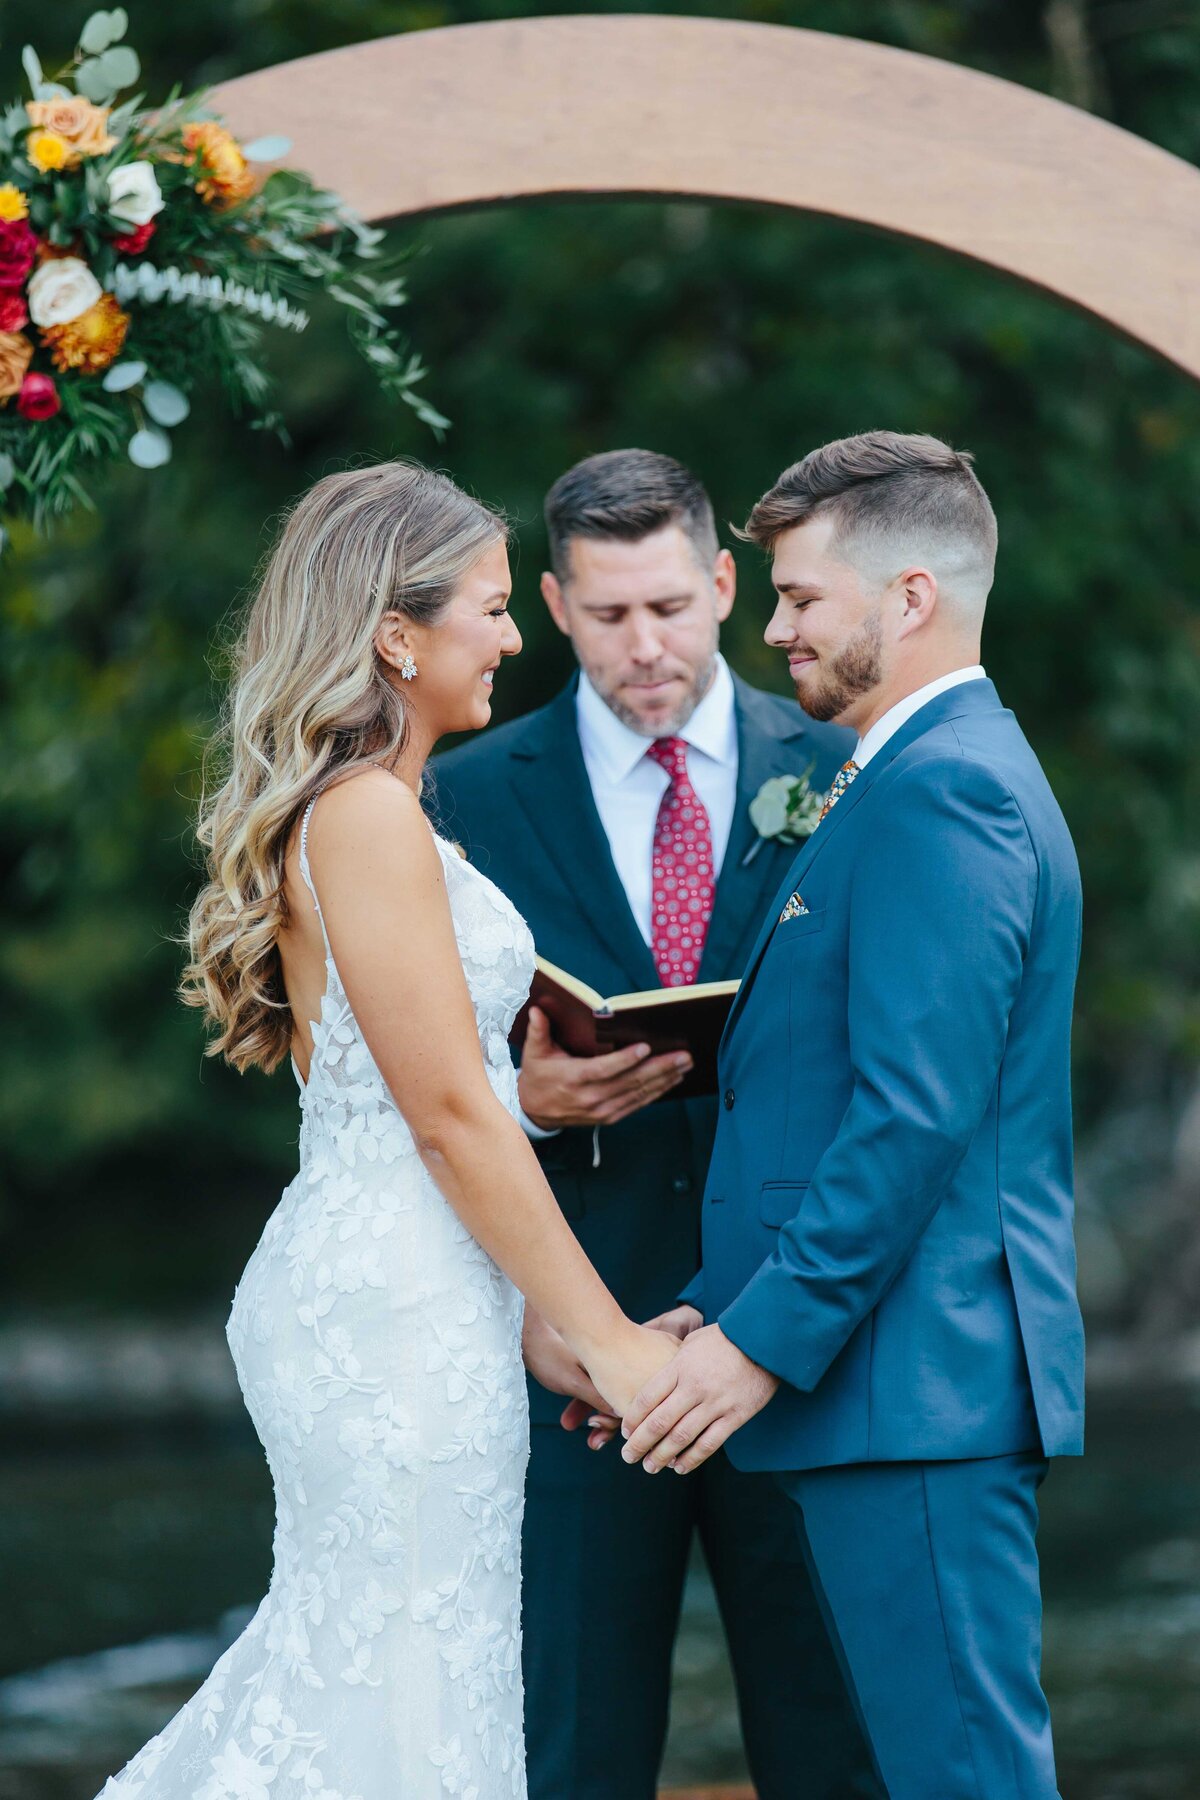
x,y
617,819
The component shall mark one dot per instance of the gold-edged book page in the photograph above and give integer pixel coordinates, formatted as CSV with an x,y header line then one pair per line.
x,y
700,990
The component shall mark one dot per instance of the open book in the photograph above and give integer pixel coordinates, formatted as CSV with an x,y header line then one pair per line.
x,y
675,1018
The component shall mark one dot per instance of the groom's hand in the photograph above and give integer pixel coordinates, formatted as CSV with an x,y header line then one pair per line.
x,y
679,1323
558,1089
694,1403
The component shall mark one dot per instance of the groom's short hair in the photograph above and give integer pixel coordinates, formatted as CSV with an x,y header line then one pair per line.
x,y
627,494
894,497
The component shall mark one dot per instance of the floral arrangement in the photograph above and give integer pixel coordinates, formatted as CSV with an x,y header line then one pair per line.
x,y
143,253
785,808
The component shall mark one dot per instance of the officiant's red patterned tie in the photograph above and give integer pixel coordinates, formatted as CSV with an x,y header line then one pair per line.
x,y
682,881
841,782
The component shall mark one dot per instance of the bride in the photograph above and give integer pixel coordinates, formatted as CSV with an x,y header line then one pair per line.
x,y
377,1328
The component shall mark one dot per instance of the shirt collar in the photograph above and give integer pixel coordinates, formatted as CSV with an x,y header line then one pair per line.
x,y
615,749
872,743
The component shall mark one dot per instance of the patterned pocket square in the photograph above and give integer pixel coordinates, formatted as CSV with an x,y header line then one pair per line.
x,y
795,908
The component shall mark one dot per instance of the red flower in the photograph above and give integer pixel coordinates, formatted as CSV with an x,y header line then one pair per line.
x,y
13,313
132,243
18,247
38,398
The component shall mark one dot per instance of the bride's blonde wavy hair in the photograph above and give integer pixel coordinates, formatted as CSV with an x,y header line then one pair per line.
x,y
310,700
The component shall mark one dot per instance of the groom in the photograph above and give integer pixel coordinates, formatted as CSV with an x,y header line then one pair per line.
x,y
888,1267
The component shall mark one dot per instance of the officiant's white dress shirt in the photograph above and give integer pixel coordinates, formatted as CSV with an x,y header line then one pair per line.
x,y
872,741
628,786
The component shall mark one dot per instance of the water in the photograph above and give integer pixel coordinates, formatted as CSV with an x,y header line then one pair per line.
x,y
130,1562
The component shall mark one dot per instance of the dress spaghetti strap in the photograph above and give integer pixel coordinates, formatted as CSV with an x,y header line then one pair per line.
x,y
306,870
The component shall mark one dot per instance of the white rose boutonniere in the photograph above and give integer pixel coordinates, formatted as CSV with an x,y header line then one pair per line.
x,y
786,809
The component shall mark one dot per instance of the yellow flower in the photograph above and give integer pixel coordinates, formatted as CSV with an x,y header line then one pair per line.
x,y
12,203
47,151
225,177
82,127
15,352
90,342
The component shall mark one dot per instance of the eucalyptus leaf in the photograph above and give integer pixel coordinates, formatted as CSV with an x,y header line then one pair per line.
x,y
121,66
266,149
121,116
166,404
8,469
33,70
123,375
118,20
93,83
97,34
149,449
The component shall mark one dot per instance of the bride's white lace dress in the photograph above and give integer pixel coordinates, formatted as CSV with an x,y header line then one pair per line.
x,y
379,1351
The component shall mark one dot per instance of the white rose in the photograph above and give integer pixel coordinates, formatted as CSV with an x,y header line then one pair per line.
x,y
134,194
61,290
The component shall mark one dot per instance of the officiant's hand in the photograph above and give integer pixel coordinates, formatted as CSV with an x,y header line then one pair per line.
x,y
558,1089
679,1323
689,1408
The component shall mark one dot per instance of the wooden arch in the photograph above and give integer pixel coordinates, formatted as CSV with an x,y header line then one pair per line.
x,y
721,110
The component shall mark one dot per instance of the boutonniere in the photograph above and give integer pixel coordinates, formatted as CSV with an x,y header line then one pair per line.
x,y
785,809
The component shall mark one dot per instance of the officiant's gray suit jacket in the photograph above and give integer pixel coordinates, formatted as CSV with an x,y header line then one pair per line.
x,y
606,1547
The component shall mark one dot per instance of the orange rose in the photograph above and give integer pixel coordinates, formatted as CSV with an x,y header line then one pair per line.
x,y
15,353
225,178
82,126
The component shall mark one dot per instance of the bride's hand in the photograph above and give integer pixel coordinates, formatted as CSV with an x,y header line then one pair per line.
x,y
622,1368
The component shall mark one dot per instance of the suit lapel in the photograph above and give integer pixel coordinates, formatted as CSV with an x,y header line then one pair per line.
x,y
766,747
550,783
972,696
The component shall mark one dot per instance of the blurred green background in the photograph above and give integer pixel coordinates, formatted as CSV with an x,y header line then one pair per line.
x,y
134,1174
733,338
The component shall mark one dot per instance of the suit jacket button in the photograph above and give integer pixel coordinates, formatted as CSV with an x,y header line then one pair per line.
x,y
682,1184
728,1099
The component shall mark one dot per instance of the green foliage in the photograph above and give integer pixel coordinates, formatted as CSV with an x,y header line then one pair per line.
x,y
734,338
250,253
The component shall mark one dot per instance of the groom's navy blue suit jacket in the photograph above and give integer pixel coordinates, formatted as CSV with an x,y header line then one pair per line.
x,y
887,1223
519,801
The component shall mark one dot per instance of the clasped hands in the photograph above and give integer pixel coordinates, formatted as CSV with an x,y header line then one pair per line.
x,y
686,1409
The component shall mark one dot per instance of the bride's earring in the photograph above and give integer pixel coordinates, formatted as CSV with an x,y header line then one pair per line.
x,y
408,668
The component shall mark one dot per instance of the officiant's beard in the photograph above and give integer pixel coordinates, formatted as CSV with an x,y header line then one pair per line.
x,y
699,680
855,670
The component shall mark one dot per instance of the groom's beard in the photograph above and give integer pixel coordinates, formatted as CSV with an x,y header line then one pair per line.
x,y
855,670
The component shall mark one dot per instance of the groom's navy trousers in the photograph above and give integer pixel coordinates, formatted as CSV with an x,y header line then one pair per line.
x,y
887,1227
605,1546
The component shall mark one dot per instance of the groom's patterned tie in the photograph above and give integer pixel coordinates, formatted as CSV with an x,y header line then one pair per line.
x,y
841,782
682,883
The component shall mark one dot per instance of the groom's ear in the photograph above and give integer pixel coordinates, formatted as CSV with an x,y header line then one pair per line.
x,y
917,590
556,605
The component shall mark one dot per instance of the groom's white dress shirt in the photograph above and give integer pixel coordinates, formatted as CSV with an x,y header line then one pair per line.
x,y
628,785
872,741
